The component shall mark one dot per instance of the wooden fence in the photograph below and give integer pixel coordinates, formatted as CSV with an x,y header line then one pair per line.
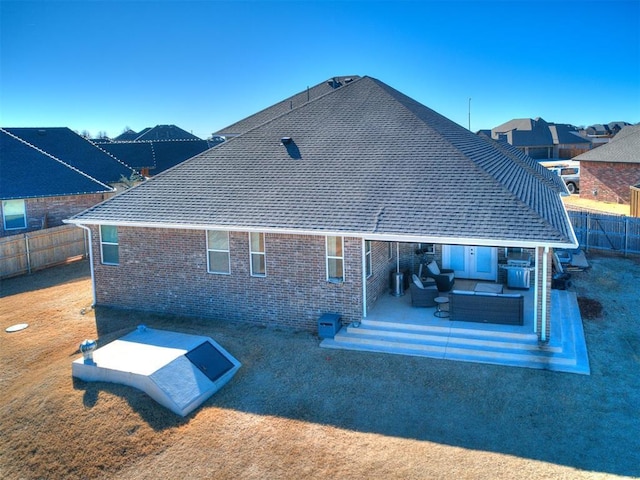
x,y
634,203
606,232
27,252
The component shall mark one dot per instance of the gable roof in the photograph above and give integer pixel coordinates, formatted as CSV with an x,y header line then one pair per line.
x,y
623,148
363,160
76,151
27,172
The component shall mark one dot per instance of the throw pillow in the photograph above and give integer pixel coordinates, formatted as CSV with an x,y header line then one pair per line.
x,y
417,281
433,268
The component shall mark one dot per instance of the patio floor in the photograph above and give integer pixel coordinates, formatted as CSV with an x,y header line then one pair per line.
x,y
394,326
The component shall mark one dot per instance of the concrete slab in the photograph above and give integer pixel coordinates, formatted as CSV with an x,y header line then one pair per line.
x,y
157,362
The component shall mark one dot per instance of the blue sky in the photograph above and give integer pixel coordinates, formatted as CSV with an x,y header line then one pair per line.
x,y
201,65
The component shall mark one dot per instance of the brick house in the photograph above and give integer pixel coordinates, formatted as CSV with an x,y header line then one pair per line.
x,y
306,208
47,175
608,172
542,140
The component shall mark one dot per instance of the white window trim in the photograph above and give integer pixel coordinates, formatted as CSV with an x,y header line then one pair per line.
x,y
332,257
227,251
108,243
24,214
263,253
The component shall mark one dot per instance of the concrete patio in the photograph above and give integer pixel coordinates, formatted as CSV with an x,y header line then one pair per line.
x,y
394,326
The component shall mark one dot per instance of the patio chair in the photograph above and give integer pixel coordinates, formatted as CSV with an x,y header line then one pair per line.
x,y
444,277
422,295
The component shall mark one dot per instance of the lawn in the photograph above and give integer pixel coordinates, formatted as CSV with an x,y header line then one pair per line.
x,y
297,411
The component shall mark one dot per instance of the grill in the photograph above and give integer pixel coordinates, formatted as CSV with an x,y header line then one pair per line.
x,y
519,271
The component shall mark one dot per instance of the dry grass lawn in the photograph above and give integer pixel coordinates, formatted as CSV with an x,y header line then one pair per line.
x,y
297,411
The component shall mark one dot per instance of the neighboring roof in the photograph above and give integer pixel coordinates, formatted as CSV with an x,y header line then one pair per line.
x,y
285,105
76,151
27,172
158,155
524,132
137,154
564,134
159,132
363,160
623,148
127,135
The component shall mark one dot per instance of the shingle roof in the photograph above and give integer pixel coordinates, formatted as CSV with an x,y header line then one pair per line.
x,y
363,159
564,134
285,105
623,148
165,132
157,155
27,172
76,151
525,132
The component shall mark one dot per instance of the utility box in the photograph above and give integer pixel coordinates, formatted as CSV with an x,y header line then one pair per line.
x,y
328,325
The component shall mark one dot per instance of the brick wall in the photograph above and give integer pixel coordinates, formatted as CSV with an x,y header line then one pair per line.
x,y
48,212
610,180
378,282
165,271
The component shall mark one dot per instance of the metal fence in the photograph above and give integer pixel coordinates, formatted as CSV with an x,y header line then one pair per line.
x,y
607,232
27,252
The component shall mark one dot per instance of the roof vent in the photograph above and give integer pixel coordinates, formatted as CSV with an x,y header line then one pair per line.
x,y
285,140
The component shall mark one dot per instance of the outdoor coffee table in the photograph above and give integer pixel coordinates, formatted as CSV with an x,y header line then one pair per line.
x,y
440,301
488,287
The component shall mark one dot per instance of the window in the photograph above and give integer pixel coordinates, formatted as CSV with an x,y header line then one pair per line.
x,y
335,259
258,261
13,212
367,254
218,258
109,244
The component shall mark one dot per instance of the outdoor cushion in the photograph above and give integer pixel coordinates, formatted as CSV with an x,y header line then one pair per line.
x,y
433,268
417,281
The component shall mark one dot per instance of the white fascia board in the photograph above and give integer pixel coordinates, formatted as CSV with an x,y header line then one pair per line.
x,y
489,242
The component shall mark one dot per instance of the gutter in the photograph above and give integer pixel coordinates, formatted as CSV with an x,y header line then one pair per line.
x,y
486,242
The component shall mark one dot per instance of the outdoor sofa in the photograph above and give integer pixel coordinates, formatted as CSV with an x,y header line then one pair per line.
x,y
484,307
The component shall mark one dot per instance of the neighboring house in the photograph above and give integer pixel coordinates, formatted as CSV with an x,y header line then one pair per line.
x,y
152,157
159,132
39,190
307,212
608,172
542,140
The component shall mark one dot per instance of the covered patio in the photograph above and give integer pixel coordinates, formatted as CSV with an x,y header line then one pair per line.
x,y
394,326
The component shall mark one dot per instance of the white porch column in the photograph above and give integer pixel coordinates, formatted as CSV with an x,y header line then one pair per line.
x,y
536,289
364,279
545,288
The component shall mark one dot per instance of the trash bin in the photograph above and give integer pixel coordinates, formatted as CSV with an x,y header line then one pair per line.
x,y
328,325
397,284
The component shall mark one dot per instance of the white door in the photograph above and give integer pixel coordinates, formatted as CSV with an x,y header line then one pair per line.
x,y
479,263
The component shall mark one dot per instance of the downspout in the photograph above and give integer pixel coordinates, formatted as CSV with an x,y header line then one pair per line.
x,y
545,268
93,278
364,279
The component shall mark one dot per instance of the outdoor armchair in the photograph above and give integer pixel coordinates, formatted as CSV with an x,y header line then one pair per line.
x,y
444,277
422,295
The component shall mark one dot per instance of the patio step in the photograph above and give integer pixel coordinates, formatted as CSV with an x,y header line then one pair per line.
x,y
462,342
